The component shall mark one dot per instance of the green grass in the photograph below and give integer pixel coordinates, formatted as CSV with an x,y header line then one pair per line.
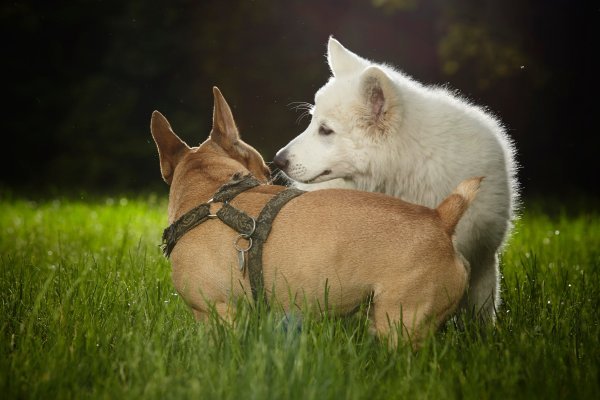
x,y
87,310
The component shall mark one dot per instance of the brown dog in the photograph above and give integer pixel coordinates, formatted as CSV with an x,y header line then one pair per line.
x,y
358,244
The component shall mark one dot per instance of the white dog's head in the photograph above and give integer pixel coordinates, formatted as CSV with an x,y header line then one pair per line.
x,y
352,112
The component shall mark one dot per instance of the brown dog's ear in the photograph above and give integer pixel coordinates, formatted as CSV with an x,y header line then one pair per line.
x,y
170,146
224,132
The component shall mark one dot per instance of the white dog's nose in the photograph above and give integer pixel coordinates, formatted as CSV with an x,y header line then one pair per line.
x,y
281,161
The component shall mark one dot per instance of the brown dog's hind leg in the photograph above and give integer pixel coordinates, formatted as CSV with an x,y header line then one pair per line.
x,y
390,318
200,315
225,311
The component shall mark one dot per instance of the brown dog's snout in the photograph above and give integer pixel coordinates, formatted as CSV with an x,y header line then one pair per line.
x,y
281,160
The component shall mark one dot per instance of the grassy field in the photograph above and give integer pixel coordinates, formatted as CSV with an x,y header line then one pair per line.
x,y
87,310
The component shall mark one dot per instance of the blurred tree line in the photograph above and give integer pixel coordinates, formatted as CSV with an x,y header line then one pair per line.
x,y
84,76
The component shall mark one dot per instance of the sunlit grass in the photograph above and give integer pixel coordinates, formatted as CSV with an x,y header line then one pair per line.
x,y
88,310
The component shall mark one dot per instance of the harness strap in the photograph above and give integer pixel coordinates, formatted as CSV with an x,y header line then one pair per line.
x,y
264,223
236,219
187,222
238,184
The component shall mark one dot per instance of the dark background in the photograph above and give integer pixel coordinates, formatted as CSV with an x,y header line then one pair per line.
x,y
82,78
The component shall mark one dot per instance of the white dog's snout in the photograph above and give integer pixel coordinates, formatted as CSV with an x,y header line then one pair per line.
x,y
281,159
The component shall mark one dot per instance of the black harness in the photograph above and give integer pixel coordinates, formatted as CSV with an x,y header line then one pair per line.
x,y
254,231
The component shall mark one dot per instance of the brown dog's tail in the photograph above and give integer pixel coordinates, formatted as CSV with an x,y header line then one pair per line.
x,y
454,206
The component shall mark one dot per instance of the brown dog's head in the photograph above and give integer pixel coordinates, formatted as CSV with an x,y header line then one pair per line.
x,y
221,154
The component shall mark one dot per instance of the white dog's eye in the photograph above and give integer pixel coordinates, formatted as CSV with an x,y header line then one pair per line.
x,y
325,131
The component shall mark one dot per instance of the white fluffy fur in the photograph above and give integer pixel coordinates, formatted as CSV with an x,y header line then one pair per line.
x,y
394,135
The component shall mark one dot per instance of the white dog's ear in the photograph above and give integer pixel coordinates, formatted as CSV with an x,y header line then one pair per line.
x,y
170,147
379,94
341,60
224,131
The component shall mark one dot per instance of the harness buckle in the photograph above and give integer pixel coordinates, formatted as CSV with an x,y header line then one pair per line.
x,y
236,242
241,252
242,260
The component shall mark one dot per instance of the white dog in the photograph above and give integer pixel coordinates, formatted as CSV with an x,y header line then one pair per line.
x,y
375,129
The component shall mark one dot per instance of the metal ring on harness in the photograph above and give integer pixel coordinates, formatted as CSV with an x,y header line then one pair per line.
x,y
237,240
251,230
246,236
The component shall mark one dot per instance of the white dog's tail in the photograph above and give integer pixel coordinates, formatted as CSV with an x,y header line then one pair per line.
x,y
454,206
